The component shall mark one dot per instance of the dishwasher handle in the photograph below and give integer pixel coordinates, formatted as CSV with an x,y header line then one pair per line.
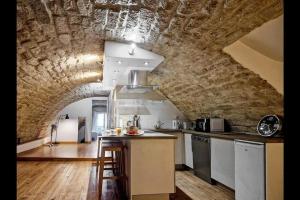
x,y
201,138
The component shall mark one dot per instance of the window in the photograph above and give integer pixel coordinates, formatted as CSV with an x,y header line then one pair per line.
x,y
99,122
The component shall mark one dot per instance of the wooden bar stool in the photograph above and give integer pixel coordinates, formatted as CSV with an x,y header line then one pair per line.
x,y
117,160
108,159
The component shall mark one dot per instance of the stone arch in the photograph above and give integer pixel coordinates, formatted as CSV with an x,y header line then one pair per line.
x,y
189,34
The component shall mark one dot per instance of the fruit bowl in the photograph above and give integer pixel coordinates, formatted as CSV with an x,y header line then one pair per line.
x,y
133,130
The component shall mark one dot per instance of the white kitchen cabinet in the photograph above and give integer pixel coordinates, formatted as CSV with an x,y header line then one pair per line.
x,y
179,147
249,171
188,150
222,161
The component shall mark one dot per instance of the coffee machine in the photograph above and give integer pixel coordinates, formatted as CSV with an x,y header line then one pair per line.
x,y
202,124
210,125
136,121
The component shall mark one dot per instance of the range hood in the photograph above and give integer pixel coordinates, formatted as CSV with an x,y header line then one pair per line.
x,y
138,88
132,106
138,83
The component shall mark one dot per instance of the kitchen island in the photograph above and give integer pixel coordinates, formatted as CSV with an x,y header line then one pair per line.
x,y
150,164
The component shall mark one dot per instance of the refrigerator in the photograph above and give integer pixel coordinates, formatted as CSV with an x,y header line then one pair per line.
x,y
249,170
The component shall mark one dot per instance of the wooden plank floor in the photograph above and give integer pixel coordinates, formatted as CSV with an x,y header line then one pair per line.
x,y
52,180
81,151
198,189
69,180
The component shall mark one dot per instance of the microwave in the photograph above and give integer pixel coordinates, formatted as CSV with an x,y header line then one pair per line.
x,y
210,125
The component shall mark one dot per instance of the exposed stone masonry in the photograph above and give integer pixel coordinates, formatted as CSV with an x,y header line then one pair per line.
x,y
54,38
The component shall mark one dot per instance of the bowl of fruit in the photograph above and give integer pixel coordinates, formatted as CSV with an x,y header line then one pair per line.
x,y
132,130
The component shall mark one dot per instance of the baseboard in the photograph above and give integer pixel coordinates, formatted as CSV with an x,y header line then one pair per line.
x,y
222,185
66,142
187,168
179,167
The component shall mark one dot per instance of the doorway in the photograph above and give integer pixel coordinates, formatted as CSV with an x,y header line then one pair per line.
x,y
99,117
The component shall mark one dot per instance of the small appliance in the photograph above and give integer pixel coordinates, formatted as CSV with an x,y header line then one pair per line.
x,y
210,125
176,124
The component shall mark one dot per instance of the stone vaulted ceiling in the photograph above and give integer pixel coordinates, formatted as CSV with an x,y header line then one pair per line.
x,y
57,38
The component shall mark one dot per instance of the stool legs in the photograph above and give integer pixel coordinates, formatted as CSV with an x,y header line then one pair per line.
x,y
117,161
101,169
98,151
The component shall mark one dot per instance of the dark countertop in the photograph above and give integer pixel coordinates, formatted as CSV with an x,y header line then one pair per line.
x,y
146,135
165,130
238,136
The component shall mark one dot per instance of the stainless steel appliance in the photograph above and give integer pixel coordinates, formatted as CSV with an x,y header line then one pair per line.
x,y
210,125
136,121
201,157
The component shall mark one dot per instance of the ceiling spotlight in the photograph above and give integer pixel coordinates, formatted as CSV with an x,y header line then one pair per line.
x,y
131,49
119,62
146,63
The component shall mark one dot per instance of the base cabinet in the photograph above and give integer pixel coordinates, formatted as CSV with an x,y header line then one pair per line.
x,y
188,150
258,171
249,171
222,161
179,148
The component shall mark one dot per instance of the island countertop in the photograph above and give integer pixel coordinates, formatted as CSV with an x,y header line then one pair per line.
x,y
147,135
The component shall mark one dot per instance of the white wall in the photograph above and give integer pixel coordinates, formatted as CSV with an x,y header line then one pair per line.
x,y
164,112
82,108
67,130
267,68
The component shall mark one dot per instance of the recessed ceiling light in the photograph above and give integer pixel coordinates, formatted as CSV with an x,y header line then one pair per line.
x,y
133,45
119,62
146,63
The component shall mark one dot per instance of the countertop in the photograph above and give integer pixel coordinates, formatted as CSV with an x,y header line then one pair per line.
x,y
147,135
163,130
238,136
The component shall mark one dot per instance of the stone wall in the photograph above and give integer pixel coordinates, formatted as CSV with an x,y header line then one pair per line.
x,y
55,36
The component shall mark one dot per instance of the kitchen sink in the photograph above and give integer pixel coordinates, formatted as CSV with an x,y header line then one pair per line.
x,y
148,131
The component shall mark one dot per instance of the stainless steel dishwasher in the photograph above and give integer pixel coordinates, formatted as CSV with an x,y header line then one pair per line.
x,y
201,157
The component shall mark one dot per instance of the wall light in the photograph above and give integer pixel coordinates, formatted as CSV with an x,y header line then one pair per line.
x,y
131,49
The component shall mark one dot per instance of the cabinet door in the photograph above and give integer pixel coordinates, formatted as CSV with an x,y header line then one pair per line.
x,y
222,161
179,145
188,150
249,171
